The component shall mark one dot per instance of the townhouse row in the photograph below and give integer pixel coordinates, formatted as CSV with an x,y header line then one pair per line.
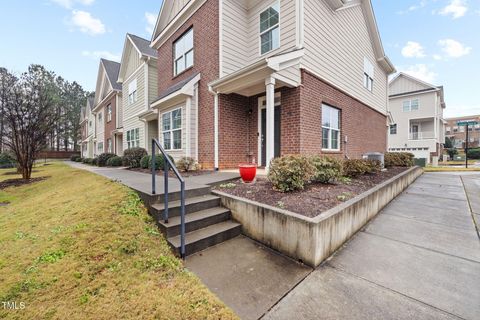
x,y
244,81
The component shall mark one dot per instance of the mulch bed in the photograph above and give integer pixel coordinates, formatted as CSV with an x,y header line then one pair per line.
x,y
171,174
19,182
314,199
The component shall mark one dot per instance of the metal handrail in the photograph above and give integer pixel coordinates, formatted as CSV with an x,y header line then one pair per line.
x,y
167,164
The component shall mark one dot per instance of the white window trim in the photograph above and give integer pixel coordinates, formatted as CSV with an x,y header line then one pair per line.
x,y
184,55
368,74
390,129
132,91
330,132
172,130
410,105
261,106
134,143
109,113
270,29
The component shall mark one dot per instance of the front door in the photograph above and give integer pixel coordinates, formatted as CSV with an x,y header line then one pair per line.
x,y
414,131
277,126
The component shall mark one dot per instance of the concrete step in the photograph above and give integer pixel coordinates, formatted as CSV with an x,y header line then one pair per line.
x,y
150,199
191,205
203,238
194,221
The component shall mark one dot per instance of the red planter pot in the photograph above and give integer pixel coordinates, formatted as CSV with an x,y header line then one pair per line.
x,y
248,172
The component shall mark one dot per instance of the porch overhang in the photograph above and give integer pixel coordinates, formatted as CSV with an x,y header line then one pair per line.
x,y
149,115
250,80
118,131
177,93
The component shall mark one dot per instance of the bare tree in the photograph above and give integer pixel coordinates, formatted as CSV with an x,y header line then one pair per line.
x,y
29,115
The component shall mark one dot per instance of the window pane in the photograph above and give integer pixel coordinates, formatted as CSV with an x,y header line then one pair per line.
x,y
166,121
275,38
264,20
128,135
266,40
325,116
177,119
325,138
137,134
179,65
179,48
414,105
335,135
274,16
189,59
406,106
188,40
177,139
166,141
335,118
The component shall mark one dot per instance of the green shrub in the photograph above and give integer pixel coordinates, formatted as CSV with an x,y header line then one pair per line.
x,y
75,157
187,164
79,159
355,167
373,166
474,153
103,158
94,161
146,162
115,161
326,169
7,161
399,159
133,156
87,160
290,173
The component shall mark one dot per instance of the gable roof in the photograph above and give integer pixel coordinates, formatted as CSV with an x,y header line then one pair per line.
x,y
141,46
169,9
415,86
112,69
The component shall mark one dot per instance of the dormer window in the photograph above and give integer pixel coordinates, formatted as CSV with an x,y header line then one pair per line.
x,y
183,52
270,29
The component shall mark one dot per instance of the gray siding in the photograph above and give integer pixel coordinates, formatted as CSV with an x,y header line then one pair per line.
x,y
152,82
241,32
403,85
336,44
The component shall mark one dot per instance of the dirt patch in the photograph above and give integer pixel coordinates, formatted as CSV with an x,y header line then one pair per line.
x,y
4,204
14,173
171,174
19,182
314,199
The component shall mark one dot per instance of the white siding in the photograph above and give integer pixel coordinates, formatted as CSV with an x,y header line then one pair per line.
x,y
133,61
336,44
241,32
403,85
152,82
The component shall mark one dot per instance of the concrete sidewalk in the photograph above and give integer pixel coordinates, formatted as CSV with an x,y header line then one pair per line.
x,y
143,181
419,259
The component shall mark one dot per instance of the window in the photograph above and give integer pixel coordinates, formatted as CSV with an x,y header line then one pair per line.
x,y
100,117
90,123
133,138
449,129
368,72
393,129
172,130
109,145
109,113
270,29
183,52
410,105
132,91
100,147
330,128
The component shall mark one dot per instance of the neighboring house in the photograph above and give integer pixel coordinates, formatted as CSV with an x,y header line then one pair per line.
x,y
458,134
416,122
108,110
138,76
249,80
87,125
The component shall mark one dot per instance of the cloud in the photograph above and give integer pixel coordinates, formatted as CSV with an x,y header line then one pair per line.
x,y
415,7
456,8
461,110
151,21
68,4
454,49
437,57
420,71
413,50
86,23
101,54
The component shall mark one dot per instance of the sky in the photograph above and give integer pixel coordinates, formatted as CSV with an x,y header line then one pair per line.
x,y
435,40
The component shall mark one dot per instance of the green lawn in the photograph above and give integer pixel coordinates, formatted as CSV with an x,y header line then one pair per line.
x,y
77,246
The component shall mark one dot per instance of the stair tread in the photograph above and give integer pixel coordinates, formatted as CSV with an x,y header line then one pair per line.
x,y
194,216
200,234
188,201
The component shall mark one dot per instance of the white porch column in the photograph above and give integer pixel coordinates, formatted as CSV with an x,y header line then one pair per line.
x,y
215,121
270,139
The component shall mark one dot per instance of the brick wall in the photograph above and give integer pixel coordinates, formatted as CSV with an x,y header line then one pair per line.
x,y
206,61
366,128
109,126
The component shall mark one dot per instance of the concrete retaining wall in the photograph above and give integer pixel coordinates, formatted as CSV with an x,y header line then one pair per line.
x,y
312,240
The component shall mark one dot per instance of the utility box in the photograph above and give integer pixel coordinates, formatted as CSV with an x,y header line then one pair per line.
x,y
421,162
375,156
435,161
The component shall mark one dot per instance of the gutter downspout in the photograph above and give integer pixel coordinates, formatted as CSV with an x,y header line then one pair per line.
x,y
215,125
